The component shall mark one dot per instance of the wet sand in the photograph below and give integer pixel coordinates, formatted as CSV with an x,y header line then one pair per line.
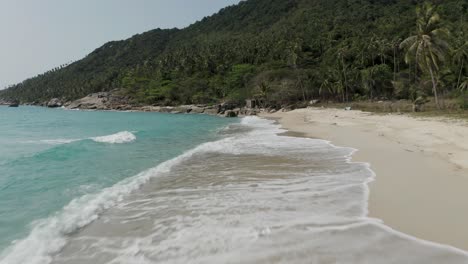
x,y
421,166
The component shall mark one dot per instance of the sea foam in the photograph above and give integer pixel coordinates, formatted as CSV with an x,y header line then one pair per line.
x,y
118,138
317,216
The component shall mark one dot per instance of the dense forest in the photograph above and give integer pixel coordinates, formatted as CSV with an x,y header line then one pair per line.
x,y
280,52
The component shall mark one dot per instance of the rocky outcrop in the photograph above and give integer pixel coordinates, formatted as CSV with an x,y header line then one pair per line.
x,y
14,103
112,101
54,103
102,101
10,103
231,113
249,111
198,110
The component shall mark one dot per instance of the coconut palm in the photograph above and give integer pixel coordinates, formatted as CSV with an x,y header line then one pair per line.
x,y
459,56
464,85
428,47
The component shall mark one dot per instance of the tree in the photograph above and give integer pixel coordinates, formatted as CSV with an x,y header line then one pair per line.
x,y
428,47
464,85
459,56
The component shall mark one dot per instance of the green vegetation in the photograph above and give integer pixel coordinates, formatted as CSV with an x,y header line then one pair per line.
x,y
281,52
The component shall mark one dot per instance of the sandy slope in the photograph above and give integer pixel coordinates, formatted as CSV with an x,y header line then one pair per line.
x,y
421,166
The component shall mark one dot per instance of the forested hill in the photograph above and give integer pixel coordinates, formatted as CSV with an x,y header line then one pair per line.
x,y
279,51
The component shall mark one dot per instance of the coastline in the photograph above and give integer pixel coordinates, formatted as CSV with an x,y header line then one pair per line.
x,y
421,166
269,206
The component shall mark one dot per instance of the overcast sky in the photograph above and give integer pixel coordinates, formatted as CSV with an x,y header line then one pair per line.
x,y
37,35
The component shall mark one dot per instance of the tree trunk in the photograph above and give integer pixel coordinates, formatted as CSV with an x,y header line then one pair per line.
x,y
394,63
345,79
460,74
416,71
434,87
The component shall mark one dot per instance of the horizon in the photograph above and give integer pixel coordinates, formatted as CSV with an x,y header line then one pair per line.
x,y
39,40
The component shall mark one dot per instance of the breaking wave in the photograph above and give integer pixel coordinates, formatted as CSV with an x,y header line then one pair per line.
x,y
298,201
117,138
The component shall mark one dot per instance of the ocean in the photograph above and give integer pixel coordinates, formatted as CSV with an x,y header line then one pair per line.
x,y
127,187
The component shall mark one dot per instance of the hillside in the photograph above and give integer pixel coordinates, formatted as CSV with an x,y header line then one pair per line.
x,y
278,51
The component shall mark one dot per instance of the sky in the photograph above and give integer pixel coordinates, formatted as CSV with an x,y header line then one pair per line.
x,y
38,35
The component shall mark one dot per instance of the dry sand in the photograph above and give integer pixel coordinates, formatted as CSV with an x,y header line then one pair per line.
x,y
421,166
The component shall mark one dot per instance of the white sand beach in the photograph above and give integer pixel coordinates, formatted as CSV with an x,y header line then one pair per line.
x,y
421,166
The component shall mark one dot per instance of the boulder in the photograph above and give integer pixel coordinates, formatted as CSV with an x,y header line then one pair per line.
x,y
230,113
102,101
250,112
197,110
54,103
150,108
183,109
418,104
227,106
167,109
14,104
314,102
211,111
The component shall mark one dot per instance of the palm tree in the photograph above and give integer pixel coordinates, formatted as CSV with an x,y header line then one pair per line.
x,y
368,81
341,54
427,48
459,56
464,85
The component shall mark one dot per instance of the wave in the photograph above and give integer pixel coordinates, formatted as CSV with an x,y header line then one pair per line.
x,y
117,138
59,141
49,236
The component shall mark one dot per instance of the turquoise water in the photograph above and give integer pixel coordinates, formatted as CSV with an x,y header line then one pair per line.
x,y
48,157
119,188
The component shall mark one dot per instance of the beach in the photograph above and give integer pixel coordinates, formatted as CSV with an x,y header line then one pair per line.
x,y
245,190
421,166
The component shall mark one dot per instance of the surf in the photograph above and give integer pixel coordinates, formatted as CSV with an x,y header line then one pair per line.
x,y
271,197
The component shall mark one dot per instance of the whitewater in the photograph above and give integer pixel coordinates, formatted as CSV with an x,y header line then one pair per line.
x,y
244,193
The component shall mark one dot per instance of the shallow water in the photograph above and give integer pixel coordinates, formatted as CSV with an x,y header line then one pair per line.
x,y
250,197
49,157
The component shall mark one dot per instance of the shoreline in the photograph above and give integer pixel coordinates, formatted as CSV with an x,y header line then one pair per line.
x,y
421,166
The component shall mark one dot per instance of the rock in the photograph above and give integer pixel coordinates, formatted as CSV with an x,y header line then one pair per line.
x,y
251,112
167,109
197,110
418,104
54,103
185,109
418,108
14,104
230,113
102,101
314,102
150,108
212,111
250,103
227,106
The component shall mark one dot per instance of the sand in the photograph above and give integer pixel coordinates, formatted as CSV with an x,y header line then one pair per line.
x,y
421,166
